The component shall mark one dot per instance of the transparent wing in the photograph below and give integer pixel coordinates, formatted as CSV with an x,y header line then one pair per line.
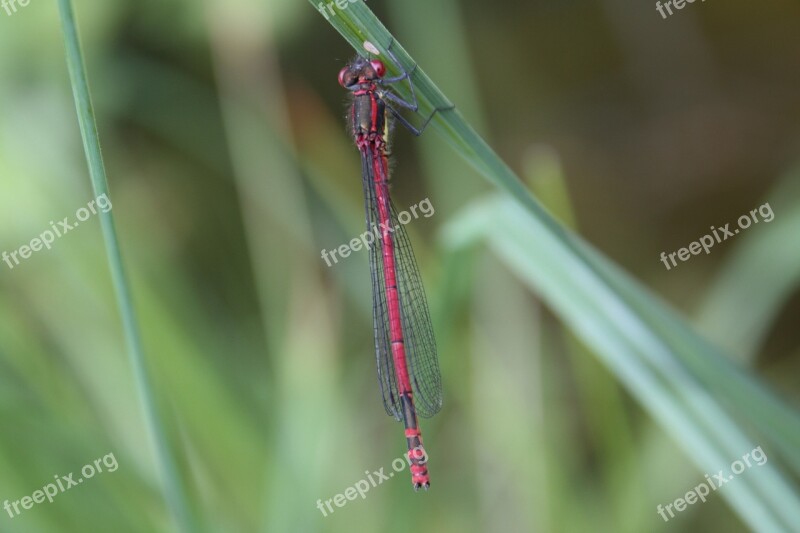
x,y
380,314
419,341
417,327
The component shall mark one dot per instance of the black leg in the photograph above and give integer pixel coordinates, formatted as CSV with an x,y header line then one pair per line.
x,y
413,106
409,126
406,75
387,96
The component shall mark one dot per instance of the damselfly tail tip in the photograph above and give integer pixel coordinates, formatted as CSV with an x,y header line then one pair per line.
x,y
425,486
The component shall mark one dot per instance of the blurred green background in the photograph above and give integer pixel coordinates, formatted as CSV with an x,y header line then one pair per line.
x,y
230,169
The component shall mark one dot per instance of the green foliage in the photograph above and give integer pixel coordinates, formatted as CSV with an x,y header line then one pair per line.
x,y
575,399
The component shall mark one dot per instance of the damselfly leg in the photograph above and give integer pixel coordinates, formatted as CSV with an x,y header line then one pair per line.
x,y
412,105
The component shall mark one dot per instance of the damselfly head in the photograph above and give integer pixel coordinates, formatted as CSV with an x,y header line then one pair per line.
x,y
361,70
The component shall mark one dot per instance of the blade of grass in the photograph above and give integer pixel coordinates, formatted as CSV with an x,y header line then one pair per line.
x,y
357,24
172,485
642,360
680,354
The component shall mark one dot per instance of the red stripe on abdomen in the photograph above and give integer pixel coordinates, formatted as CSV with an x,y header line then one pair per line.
x,y
381,173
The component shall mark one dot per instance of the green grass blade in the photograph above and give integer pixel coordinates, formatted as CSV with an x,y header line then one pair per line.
x,y
641,358
357,24
173,487
683,373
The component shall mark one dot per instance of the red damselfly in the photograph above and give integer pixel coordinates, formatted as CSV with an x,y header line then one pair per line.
x,y
405,348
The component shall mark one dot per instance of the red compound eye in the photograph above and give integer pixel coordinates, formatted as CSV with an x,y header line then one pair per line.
x,y
343,76
378,66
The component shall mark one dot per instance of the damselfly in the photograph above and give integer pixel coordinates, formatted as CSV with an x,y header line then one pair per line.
x,y
405,349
